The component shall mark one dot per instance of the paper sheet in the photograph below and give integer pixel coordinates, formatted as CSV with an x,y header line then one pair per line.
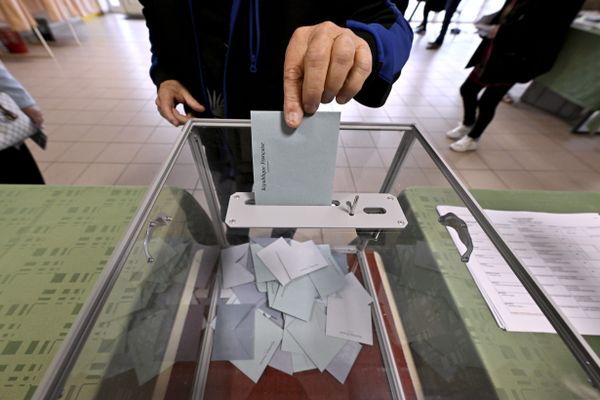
x,y
267,337
234,262
270,257
294,167
302,258
321,349
296,298
330,279
562,251
234,332
341,365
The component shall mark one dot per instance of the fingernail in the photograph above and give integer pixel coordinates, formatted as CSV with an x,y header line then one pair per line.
x,y
310,108
342,100
328,97
293,118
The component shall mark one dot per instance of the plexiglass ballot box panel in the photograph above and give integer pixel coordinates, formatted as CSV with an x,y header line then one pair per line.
x,y
197,305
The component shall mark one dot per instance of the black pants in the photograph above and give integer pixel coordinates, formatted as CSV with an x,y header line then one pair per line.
x,y
486,104
18,167
451,6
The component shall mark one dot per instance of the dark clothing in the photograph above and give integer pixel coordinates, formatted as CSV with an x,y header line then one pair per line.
x,y
435,5
530,36
18,167
486,105
257,36
451,6
402,5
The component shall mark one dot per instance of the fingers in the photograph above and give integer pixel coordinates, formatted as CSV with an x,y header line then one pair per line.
x,y
358,74
316,66
293,75
323,62
342,59
170,94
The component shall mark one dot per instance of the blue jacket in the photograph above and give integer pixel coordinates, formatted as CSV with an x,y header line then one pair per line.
x,y
258,34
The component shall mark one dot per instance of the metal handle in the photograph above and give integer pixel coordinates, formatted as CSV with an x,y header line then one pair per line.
x,y
451,220
161,220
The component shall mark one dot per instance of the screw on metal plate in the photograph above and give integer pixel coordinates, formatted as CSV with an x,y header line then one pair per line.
x,y
352,206
231,221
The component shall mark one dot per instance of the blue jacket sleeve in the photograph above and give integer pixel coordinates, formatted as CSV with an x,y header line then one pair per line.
x,y
390,37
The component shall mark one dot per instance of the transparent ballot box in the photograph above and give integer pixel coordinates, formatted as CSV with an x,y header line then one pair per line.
x,y
379,295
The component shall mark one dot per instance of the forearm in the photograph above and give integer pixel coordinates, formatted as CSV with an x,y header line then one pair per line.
x,y
390,38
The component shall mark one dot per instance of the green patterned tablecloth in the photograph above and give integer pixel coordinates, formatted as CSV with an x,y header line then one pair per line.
x,y
576,73
54,242
459,350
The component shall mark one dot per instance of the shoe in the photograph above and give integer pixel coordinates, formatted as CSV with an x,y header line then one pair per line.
x,y
458,132
433,45
465,144
420,30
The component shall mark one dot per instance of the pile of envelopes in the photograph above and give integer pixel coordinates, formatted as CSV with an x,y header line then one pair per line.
x,y
291,306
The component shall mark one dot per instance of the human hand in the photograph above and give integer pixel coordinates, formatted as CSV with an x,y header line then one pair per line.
x,y
322,62
170,94
35,114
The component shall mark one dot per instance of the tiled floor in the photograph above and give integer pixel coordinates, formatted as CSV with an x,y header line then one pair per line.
x,y
104,129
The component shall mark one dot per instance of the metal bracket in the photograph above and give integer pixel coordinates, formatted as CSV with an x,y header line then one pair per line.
x,y
347,210
161,220
453,221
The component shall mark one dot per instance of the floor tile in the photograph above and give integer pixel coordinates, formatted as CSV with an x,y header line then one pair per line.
x,y
152,153
164,135
519,180
98,174
133,134
139,174
368,179
119,153
477,179
183,176
342,181
83,152
62,173
102,133
356,139
69,133
363,157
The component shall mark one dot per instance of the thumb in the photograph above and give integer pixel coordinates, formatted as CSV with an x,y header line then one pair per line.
x,y
293,75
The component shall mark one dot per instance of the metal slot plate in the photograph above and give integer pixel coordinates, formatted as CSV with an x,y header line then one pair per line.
x,y
243,213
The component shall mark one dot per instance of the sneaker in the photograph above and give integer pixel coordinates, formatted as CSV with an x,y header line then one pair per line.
x,y
465,144
433,45
458,132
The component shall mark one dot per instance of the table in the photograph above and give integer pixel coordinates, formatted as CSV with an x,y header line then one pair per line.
x,y
457,346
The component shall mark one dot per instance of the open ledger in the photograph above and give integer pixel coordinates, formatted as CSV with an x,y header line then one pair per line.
x,y
561,251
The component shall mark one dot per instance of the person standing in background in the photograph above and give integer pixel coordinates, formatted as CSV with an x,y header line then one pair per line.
x,y
450,7
521,42
17,165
